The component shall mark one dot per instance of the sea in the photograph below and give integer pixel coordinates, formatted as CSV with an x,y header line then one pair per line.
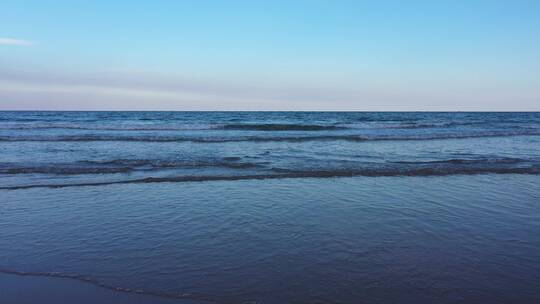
x,y
276,207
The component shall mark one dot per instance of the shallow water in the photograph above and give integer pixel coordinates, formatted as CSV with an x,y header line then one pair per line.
x,y
77,148
436,208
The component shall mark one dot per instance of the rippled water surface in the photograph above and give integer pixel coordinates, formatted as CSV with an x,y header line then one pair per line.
x,y
294,207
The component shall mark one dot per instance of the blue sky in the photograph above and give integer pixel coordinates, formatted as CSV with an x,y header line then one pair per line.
x,y
270,55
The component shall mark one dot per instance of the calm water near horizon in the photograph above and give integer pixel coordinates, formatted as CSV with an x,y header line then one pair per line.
x,y
277,207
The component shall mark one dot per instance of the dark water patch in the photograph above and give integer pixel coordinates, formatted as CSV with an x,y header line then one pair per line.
x,y
232,158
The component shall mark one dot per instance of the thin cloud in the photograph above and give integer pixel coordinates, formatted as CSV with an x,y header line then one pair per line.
x,y
13,41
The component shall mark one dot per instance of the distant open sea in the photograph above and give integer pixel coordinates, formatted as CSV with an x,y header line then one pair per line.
x,y
276,207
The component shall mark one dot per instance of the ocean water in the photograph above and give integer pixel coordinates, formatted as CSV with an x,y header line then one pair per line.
x,y
276,207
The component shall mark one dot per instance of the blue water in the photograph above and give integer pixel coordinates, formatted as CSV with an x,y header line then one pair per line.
x,y
277,207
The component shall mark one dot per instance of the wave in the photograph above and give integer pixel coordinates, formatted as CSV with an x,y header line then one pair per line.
x,y
186,127
368,172
252,127
421,125
354,138
232,162
55,169
123,166
95,282
228,162
280,127
460,161
182,127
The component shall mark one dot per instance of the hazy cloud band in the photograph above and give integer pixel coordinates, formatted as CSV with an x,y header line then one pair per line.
x,y
13,41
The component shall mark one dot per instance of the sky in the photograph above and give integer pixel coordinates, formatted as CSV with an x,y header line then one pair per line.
x,y
270,55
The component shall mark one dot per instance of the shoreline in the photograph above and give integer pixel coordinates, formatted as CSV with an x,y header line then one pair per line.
x,y
22,287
